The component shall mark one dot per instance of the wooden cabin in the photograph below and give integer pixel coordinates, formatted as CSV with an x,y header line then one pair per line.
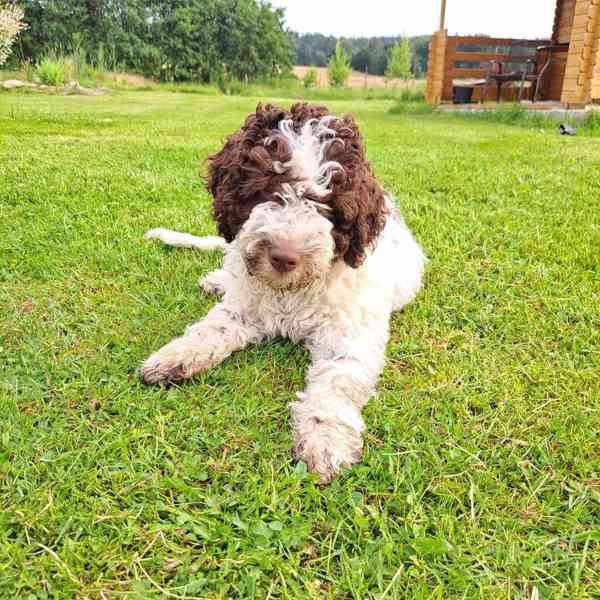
x,y
571,57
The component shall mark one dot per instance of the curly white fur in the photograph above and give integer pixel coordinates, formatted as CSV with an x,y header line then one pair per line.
x,y
308,163
341,314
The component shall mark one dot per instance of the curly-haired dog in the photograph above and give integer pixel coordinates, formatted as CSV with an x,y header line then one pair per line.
x,y
317,253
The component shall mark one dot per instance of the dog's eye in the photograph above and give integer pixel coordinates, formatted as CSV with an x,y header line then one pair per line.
x,y
324,211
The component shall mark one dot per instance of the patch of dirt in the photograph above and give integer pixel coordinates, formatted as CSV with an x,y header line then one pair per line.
x,y
356,79
128,78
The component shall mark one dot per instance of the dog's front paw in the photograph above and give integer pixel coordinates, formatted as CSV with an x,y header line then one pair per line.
x,y
172,363
211,285
327,446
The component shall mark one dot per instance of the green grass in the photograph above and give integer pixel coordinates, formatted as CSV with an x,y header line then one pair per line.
x,y
481,475
507,114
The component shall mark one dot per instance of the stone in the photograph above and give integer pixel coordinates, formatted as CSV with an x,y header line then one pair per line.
x,y
11,84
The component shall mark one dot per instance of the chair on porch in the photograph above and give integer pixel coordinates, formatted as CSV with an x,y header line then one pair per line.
x,y
533,74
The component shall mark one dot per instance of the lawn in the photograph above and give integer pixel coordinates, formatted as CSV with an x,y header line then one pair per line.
x,y
481,474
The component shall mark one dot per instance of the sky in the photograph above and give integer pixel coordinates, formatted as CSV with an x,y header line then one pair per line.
x,y
354,18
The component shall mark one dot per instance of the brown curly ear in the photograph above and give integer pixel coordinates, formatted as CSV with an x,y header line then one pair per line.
x,y
357,200
242,174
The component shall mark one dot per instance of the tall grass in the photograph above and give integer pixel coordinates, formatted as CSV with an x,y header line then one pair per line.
x,y
591,124
58,67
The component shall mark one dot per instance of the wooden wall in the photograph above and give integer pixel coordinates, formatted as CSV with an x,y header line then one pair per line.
x,y
583,64
595,83
552,84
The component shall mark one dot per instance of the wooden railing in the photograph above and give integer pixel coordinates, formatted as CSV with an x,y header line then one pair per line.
x,y
467,58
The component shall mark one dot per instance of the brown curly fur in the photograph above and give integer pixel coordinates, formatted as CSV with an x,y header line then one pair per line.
x,y
243,174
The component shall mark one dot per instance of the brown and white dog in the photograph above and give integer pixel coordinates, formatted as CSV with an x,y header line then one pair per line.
x,y
314,251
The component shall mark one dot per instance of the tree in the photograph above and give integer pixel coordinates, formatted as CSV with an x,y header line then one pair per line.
x,y
420,46
11,24
400,61
338,68
310,78
314,49
360,60
168,39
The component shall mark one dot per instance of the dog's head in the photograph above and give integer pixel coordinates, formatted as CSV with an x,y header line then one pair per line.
x,y
296,190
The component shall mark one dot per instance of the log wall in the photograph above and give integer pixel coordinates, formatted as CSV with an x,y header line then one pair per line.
x,y
583,64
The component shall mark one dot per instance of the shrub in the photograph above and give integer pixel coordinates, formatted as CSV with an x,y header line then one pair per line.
x,y
400,61
11,23
51,71
338,68
310,78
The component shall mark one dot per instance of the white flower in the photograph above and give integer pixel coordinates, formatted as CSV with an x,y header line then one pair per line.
x,y
11,23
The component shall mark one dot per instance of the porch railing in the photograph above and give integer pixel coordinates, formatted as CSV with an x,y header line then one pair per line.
x,y
466,58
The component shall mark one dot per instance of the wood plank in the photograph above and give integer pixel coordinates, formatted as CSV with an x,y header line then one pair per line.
x,y
582,7
572,72
578,33
580,20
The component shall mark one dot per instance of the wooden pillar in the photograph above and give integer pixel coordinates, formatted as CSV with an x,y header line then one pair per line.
x,y
436,67
443,16
437,61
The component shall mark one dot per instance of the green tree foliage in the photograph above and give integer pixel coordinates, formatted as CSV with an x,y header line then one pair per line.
x,y
170,39
338,68
313,48
400,61
366,54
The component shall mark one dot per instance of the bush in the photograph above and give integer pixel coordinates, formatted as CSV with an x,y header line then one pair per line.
x,y
310,78
338,69
11,24
51,71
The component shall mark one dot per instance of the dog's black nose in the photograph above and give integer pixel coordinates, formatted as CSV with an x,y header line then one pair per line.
x,y
284,260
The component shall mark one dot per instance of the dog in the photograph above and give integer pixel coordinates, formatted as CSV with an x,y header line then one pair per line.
x,y
315,251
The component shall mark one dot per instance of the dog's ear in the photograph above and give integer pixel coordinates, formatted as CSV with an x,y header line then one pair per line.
x,y
357,201
242,174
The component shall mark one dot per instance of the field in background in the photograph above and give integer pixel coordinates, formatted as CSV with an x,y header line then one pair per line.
x,y
359,80
480,474
284,87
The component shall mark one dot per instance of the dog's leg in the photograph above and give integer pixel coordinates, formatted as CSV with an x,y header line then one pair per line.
x,y
185,240
204,345
327,422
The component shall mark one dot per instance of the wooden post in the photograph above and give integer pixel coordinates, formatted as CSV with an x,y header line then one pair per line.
x,y
443,16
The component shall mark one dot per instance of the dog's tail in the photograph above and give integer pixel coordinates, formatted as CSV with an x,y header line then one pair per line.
x,y
185,240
